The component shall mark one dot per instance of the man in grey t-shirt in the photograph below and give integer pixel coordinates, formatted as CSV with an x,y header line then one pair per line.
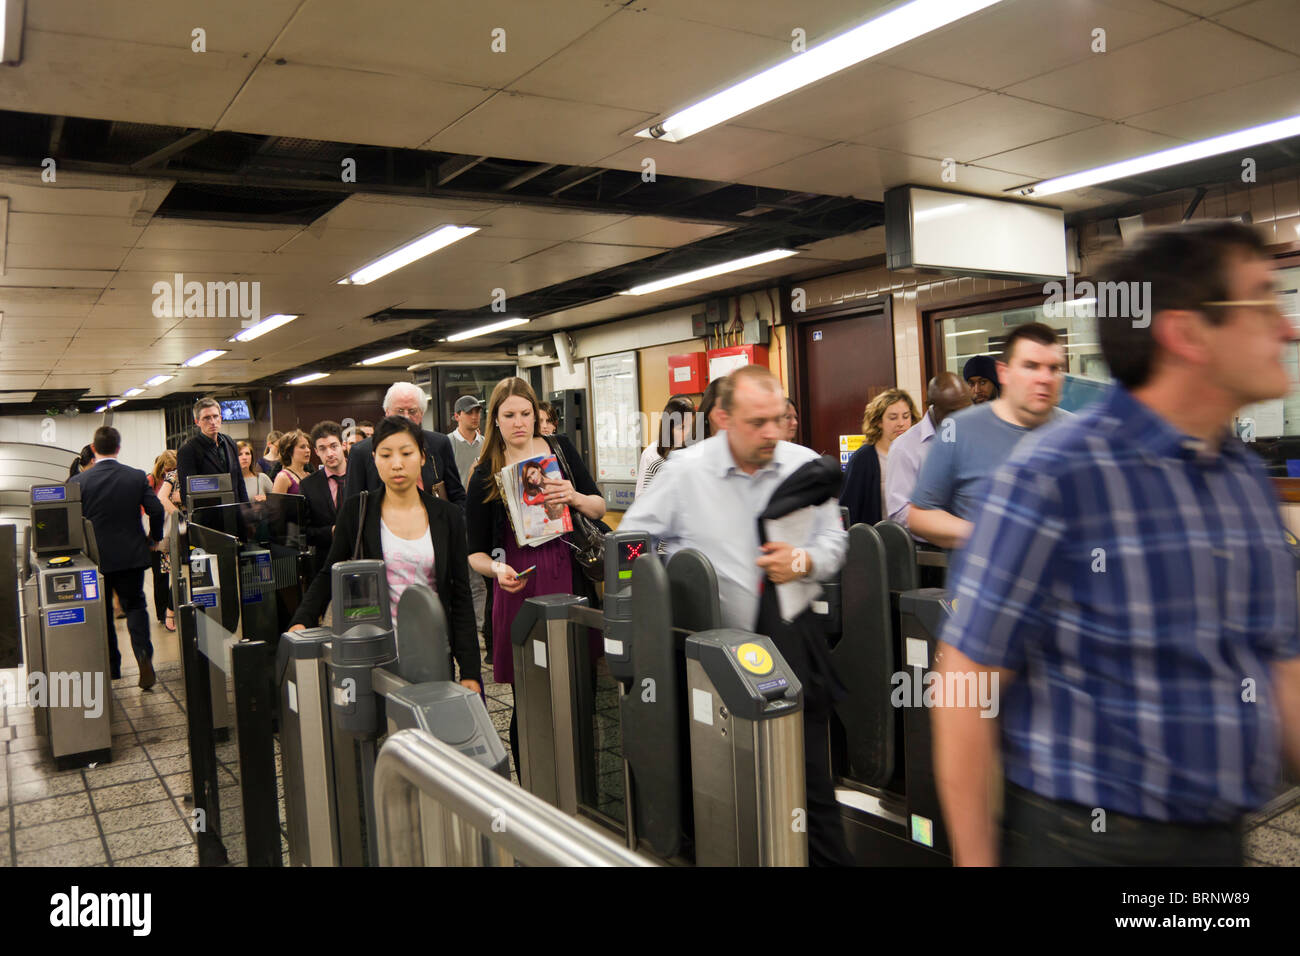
x,y
972,444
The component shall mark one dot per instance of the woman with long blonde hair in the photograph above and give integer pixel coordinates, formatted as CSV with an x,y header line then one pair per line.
x,y
512,435
886,416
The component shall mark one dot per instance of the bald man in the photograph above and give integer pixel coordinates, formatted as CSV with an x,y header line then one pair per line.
x,y
948,393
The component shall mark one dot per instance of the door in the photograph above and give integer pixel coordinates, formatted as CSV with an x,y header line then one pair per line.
x,y
843,362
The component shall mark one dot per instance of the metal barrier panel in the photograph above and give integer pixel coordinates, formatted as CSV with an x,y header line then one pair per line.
x,y
434,807
11,654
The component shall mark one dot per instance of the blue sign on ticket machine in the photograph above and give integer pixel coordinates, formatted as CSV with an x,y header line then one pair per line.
x,y
66,632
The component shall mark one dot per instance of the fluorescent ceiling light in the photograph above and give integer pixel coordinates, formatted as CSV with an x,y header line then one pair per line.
x,y
838,53
158,380
418,249
304,379
967,332
485,329
11,31
387,356
1227,143
207,355
261,328
132,392
116,402
102,408
735,265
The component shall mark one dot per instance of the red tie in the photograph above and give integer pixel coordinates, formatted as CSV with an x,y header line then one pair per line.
x,y
334,488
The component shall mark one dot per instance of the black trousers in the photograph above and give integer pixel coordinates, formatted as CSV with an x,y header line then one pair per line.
x,y
1037,831
128,585
162,589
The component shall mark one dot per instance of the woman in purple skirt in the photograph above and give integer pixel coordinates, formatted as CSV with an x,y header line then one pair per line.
x,y
512,435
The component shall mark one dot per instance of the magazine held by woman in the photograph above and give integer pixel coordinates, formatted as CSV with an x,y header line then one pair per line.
x,y
534,520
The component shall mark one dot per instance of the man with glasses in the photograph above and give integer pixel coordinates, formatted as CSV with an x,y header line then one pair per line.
x,y
407,400
1128,581
211,451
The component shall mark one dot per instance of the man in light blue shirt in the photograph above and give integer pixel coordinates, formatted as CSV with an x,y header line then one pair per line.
x,y
947,393
709,497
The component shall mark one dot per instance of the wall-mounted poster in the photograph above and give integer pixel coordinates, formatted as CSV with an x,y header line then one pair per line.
x,y
616,416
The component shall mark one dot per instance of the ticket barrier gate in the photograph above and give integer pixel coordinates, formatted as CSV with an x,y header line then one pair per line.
x,y
881,735
676,669
65,631
343,688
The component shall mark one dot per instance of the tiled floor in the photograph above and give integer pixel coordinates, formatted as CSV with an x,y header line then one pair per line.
x,y
132,811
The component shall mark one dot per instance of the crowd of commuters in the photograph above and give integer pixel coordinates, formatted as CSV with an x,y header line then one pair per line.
x,y
1122,685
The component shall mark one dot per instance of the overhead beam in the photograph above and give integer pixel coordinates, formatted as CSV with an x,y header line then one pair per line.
x,y
527,176
170,150
452,168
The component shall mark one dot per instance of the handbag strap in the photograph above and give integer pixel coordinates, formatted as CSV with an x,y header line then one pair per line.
x,y
361,525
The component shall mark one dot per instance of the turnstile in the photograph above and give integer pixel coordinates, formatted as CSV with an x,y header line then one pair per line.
x,y
650,614
881,735
342,688
65,633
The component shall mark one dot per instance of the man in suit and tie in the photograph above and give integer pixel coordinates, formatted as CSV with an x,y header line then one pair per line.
x,y
409,401
112,495
210,452
323,488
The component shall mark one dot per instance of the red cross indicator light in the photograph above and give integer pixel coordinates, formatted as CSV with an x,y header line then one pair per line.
x,y
633,550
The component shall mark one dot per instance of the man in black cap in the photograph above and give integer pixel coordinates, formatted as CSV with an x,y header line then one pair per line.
x,y
982,374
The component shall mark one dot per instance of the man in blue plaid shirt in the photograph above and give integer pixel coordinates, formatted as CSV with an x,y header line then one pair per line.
x,y
1128,580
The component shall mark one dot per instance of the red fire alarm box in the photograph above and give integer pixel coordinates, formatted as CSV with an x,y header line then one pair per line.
x,y
723,361
687,374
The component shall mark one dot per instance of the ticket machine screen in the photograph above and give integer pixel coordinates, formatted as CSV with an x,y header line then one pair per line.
x,y
361,598
51,529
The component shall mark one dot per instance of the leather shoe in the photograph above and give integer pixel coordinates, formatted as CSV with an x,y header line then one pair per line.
x,y
147,676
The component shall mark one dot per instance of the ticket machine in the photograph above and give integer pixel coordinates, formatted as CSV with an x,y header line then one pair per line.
x,y
65,628
344,687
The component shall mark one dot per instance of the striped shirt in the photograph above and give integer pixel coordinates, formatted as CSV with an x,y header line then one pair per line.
x,y
1140,585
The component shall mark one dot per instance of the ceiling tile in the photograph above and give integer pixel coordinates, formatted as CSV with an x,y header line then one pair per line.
x,y
519,126
1276,22
62,255
1183,64
1018,39
642,61
1086,149
724,153
775,18
653,231
349,106
532,222
244,26
1241,107
66,74
857,245
986,124
230,237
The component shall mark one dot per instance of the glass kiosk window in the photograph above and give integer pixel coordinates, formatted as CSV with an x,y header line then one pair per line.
x,y
360,598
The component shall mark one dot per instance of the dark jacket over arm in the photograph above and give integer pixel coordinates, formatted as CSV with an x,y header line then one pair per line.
x,y
447,528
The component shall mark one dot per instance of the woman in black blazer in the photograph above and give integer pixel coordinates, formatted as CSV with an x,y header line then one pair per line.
x,y
420,538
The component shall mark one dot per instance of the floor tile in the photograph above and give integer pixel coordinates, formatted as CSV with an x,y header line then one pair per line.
x,y
54,834
40,789
129,795
1289,821
177,784
106,775
1277,847
167,766
179,856
23,744
134,817
49,810
19,775
168,748
178,732
160,836
79,853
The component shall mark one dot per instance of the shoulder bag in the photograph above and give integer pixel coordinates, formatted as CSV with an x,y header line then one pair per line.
x,y
588,537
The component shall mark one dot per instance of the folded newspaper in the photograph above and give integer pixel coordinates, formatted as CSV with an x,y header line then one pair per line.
x,y
534,520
